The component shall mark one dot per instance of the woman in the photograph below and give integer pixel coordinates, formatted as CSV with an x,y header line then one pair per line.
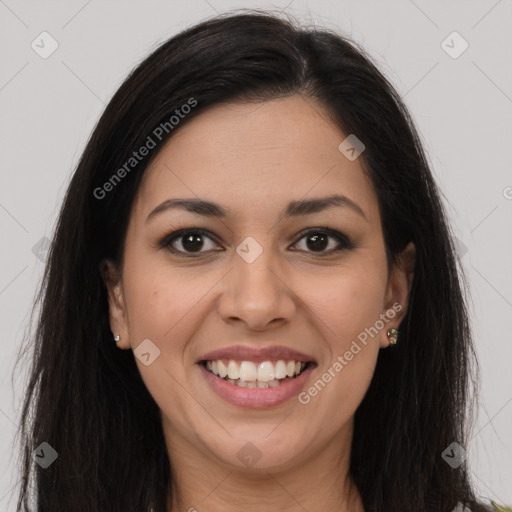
x,y
252,299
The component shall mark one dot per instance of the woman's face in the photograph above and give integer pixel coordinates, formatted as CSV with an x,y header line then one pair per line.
x,y
265,284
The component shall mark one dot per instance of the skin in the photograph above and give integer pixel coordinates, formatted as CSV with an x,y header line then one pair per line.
x,y
254,159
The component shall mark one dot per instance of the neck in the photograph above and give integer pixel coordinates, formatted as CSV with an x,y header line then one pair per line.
x,y
320,482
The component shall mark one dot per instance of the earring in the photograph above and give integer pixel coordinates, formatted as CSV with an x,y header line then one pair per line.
x,y
392,335
117,338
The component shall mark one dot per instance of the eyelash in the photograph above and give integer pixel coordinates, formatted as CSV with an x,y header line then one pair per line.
x,y
344,241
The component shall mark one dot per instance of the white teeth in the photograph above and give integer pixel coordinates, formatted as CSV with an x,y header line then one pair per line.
x,y
248,373
233,370
280,370
266,371
223,371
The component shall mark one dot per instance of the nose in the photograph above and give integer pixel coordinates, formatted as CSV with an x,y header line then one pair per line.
x,y
257,294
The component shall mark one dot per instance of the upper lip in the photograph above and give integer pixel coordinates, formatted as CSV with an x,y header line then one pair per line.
x,y
256,354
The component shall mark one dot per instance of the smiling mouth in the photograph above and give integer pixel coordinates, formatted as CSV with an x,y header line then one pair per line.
x,y
247,374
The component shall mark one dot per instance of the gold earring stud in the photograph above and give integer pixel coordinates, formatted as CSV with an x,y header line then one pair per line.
x,y
392,335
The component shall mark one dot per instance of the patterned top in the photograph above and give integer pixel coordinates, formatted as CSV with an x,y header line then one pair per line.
x,y
493,507
496,508
500,508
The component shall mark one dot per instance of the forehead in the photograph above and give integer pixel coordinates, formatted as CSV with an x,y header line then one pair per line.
x,y
252,157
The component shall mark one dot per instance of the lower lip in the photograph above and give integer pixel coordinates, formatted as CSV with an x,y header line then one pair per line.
x,y
256,398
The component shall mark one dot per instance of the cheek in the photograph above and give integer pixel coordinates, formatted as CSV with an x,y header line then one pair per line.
x,y
347,310
347,305
159,306
347,302
158,296
166,305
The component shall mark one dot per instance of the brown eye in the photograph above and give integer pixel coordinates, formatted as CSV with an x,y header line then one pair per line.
x,y
317,241
195,241
187,241
192,242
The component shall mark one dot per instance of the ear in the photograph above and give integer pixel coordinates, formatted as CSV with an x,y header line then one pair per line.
x,y
117,309
398,289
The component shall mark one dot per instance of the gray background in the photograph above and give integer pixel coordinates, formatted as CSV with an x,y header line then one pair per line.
x,y
462,107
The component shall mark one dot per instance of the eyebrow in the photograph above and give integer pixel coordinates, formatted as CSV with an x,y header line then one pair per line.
x,y
293,209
